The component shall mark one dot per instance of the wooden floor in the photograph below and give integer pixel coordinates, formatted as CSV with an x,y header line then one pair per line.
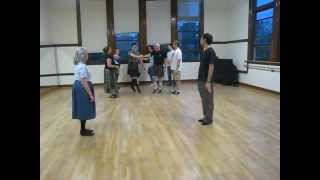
x,y
157,137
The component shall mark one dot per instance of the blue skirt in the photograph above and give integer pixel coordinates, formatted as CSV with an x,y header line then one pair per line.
x,y
82,107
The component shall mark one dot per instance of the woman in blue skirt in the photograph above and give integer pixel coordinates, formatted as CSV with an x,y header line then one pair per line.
x,y
83,100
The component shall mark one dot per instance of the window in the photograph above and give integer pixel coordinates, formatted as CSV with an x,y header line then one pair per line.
x,y
124,41
189,29
264,28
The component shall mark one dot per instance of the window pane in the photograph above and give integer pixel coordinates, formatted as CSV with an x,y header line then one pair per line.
x,y
190,56
263,2
188,8
127,36
265,14
262,53
124,41
188,40
263,30
188,25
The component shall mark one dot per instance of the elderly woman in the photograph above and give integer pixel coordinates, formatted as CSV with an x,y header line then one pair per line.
x,y
83,100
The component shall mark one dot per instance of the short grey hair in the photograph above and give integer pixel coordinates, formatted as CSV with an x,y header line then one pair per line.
x,y
157,45
80,55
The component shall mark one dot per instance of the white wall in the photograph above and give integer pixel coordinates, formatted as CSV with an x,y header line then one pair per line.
x,y
43,22
238,29
158,21
48,66
126,16
62,21
93,24
216,19
226,20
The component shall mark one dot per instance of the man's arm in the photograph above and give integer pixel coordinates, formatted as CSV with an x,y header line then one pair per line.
x,y
210,72
179,59
212,59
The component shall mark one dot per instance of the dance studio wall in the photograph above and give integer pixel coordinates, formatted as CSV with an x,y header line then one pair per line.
x,y
43,23
59,22
93,24
226,21
158,21
238,29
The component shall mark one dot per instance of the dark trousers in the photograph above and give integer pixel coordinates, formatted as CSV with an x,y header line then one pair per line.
x,y
169,72
207,101
113,82
106,81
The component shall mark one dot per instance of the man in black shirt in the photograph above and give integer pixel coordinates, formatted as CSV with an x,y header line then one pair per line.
x,y
158,60
205,78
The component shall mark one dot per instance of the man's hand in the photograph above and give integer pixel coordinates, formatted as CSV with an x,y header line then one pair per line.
x,y
208,87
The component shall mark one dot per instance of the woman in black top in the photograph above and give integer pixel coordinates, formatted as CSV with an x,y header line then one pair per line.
x,y
133,66
113,68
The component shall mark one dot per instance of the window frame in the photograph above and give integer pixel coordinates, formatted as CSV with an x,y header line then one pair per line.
x,y
275,42
174,24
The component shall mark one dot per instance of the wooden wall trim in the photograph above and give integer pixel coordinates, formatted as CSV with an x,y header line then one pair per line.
x,y
276,32
201,17
230,42
250,29
259,88
110,23
174,16
58,45
143,26
79,31
60,74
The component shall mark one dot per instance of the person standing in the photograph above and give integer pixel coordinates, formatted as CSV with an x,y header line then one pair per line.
x,y
150,66
133,67
176,67
205,78
83,99
168,64
113,66
158,58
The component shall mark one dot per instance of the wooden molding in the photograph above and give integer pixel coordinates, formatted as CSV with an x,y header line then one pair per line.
x,y
110,23
230,42
259,88
79,31
271,62
174,16
143,26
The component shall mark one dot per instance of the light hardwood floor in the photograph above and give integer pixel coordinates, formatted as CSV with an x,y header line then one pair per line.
x,y
157,137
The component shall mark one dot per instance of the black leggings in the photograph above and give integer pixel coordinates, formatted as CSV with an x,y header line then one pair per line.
x,y
134,83
83,125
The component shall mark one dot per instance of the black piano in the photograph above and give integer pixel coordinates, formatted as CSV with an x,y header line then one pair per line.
x,y
225,72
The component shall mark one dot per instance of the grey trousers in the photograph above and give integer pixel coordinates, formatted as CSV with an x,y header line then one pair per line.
x,y
106,81
207,101
113,82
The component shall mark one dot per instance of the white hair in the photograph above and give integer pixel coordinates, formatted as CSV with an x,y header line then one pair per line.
x,y
80,55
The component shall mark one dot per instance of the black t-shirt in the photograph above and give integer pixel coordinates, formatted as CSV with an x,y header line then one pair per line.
x,y
112,62
158,58
206,57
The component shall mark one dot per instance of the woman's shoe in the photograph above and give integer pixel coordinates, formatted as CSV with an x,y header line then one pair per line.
x,y
86,133
89,130
133,89
113,96
139,91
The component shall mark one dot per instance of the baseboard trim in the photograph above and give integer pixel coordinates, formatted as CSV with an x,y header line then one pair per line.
x,y
121,83
258,88
148,82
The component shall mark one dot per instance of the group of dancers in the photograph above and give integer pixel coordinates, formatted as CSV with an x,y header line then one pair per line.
x,y
83,98
169,60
